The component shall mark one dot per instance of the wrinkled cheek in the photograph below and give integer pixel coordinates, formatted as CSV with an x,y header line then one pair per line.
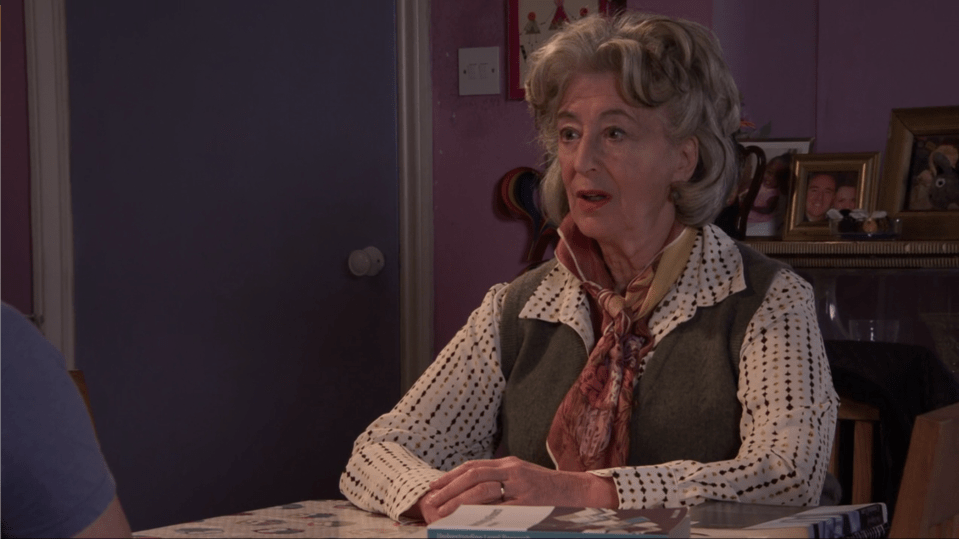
x,y
567,173
565,169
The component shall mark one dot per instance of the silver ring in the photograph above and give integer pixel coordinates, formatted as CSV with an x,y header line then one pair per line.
x,y
502,492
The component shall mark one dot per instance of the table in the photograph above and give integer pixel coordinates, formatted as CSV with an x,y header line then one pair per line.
x,y
340,518
313,518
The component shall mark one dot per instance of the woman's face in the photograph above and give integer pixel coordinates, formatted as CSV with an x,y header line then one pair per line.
x,y
617,162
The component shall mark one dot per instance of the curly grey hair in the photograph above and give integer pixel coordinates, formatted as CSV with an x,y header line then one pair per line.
x,y
659,62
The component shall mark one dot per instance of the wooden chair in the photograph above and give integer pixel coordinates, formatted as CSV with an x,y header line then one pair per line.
x,y
749,198
928,500
81,384
865,419
902,382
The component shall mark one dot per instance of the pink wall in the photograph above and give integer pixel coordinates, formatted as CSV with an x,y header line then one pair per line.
x,y
830,70
476,140
17,265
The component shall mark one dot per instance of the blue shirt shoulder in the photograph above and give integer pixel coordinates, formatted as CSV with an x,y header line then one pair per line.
x,y
55,479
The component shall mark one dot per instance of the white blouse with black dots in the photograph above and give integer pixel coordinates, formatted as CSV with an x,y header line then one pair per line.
x,y
449,415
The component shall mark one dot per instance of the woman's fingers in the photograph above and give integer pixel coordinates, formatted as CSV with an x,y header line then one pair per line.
x,y
476,471
440,503
463,486
513,481
475,482
487,492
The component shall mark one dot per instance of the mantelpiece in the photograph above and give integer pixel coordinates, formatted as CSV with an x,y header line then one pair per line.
x,y
862,254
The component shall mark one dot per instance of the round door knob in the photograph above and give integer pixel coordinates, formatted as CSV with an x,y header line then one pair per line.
x,y
366,262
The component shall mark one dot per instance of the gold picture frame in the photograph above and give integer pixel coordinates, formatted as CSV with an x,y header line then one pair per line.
x,y
915,135
817,180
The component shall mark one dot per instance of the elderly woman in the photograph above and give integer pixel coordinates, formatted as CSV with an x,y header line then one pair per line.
x,y
654,361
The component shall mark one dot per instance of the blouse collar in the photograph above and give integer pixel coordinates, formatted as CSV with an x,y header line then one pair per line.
x,y
713,273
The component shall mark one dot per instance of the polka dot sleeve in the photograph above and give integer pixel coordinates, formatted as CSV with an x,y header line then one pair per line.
x,y
449,416
789,413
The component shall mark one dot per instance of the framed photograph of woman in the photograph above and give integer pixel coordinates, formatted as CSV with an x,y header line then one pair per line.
x,y
530,23
826,181
768,210
920,183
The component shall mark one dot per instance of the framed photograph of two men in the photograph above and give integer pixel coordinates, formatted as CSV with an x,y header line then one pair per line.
x,y
825,181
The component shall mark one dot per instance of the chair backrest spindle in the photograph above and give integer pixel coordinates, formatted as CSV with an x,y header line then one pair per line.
x,y
928,501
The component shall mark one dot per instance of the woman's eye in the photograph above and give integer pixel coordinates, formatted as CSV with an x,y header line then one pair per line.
x,y
615,133
566,134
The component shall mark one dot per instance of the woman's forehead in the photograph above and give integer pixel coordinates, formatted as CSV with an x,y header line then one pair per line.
x,y
601,88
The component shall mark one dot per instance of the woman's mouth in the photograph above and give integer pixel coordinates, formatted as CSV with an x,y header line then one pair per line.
x,y
592,199
592,195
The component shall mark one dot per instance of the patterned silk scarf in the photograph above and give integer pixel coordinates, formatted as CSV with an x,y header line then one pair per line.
x,y
590,430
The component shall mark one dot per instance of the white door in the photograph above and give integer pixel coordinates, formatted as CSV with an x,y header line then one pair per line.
x,y
226,158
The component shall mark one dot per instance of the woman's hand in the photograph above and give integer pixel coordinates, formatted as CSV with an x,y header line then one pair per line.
x,y
512,481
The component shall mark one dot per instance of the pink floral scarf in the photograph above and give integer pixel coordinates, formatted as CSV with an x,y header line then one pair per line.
x,y
590,430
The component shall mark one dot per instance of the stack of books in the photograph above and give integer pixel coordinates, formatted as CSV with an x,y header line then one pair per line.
x,y
473,521
712,519
726,519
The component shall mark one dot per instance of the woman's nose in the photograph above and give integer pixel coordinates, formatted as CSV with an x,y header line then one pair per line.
x,y
587,154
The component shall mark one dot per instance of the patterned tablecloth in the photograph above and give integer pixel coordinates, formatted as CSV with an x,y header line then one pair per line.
x,y
320,518
340,518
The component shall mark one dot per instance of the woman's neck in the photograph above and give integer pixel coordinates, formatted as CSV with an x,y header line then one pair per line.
x,y
625,262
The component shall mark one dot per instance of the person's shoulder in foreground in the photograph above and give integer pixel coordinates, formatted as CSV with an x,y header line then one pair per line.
x,y
56,482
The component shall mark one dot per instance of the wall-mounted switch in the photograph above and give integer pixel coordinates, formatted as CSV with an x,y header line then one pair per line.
x,y
479,71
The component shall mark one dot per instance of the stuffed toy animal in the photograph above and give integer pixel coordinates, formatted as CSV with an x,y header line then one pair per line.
x,y
944,191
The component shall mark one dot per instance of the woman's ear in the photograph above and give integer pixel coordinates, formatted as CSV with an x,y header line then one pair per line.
x,y
688,159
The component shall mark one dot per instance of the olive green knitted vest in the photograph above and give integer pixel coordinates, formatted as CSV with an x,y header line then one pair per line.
x,y
684,406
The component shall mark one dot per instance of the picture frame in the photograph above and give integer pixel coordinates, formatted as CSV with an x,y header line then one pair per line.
x,y
908,185
530,23
821,180
768,213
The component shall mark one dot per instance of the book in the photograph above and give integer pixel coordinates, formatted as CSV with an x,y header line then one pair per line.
x,y
724,519
475,521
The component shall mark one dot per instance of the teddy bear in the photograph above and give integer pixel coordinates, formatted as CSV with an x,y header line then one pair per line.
x,y
944,190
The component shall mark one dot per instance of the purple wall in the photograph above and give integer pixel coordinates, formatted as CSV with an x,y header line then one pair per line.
x,y
835,70
700,11
771,49
17,265
877,56
831,70
476,140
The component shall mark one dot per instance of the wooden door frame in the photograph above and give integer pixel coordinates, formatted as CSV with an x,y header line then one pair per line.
x,y
415,143
51,215
50,200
